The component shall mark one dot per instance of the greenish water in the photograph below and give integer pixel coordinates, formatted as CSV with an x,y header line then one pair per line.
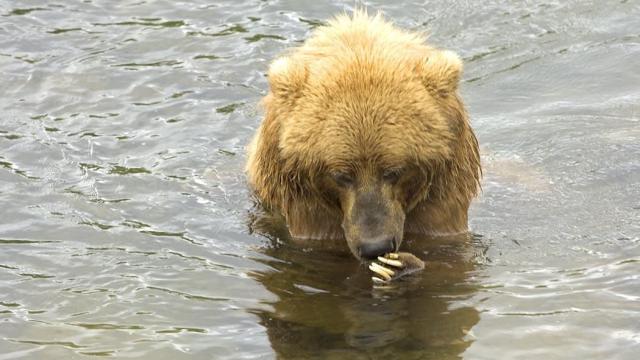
x,y
124,211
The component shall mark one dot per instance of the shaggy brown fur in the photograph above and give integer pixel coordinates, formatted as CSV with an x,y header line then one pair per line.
x,y
365,99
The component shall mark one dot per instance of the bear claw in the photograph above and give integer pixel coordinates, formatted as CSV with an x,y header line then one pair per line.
x,y
394,265
386,273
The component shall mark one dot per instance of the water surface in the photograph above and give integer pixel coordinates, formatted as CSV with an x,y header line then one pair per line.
x,y
124,210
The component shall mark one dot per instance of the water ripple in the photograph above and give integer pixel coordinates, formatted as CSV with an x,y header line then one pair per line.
x,y
124,225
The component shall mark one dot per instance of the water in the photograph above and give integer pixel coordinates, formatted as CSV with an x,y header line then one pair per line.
x,y
124,220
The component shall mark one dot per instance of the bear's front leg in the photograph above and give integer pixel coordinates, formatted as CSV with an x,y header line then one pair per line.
x,y
392,266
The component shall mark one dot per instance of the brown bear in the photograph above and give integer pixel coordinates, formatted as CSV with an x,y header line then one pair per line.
x,y
365,139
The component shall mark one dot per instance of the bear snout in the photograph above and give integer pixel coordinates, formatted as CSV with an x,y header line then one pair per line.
x,y
373,221
370,249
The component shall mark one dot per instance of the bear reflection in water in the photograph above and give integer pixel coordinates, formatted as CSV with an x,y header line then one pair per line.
x,y
327,308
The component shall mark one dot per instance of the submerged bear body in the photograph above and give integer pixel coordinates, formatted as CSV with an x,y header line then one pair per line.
x,y
365,139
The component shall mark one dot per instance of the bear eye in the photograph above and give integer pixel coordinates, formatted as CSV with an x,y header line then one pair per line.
x,y
392,175
343,179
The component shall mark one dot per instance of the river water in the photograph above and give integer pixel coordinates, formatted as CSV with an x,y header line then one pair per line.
x,y
124,212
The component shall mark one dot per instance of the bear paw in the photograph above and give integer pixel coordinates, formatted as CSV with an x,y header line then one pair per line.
x,y
392,266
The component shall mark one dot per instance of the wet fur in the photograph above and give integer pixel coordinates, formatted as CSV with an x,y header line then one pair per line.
x,y
360,90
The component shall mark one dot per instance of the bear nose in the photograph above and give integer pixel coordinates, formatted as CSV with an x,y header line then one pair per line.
x,y
371,248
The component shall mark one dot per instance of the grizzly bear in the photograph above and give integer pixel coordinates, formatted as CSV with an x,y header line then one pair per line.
x,y
365,139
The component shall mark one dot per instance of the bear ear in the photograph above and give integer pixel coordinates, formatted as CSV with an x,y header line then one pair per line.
x,y
287,77
440,72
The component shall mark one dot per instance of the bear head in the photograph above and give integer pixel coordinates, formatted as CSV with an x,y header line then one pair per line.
x,y
363,128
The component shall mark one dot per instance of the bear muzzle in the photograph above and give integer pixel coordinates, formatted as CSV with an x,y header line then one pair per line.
x,y
370,249
373,224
